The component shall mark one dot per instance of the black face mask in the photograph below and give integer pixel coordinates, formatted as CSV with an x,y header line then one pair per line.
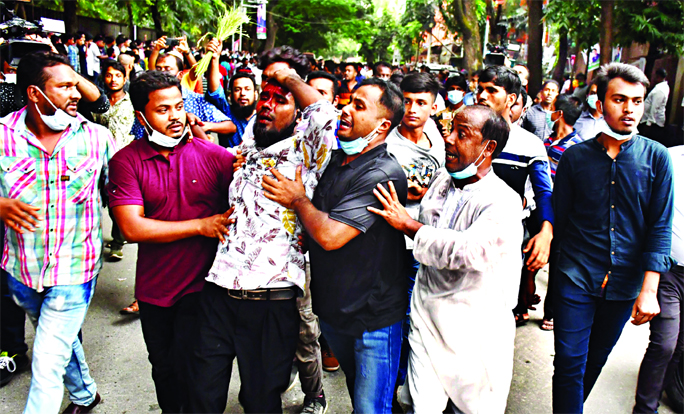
x,y
265,139
242,112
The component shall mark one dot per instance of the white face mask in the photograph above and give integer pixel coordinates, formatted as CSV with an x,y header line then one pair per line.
x,y
606,129
10,77
162,139
359,144
455,96
60,120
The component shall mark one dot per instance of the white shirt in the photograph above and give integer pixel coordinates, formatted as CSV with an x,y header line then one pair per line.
x,y
656,104
468,248
677,155
92,59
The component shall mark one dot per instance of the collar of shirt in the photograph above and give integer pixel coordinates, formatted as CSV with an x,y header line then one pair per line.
x,y
551,140
624,146
16,121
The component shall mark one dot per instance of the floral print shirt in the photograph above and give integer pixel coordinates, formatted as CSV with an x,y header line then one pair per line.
x,y
262,248
119,119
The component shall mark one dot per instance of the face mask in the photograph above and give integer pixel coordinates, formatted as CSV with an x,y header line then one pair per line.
x,y
10,78
606,129
161,139
471,169
60,120
550,123
455,97
358,145
591,101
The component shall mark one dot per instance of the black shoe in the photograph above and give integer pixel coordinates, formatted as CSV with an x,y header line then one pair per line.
x,y
78,409
9,365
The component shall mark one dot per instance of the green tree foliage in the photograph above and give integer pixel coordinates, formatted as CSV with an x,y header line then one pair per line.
x,y
306,24
467,18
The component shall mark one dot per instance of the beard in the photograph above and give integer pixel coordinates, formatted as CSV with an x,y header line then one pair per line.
x,y
242,112
265,138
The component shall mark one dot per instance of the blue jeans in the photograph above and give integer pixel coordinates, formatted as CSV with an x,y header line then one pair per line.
x,y
586,329
58,359
370,363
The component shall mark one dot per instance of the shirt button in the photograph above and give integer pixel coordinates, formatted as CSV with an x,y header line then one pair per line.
x,y
612,182
171,170
614,161
52,181
612,206
612,229
612,253
609,272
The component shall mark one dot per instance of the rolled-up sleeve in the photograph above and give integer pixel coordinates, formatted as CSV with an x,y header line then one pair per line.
x,y
656,254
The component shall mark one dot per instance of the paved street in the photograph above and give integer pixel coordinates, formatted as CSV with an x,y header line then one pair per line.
x,y
118,361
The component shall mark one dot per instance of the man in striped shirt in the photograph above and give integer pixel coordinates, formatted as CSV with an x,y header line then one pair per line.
x,y
568,110
53,162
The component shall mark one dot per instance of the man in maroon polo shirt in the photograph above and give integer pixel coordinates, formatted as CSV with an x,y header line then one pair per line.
x,y
169,194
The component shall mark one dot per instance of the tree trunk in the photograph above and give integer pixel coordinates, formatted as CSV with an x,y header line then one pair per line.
x,y
534,46
70,17
562,58
129,9
272,28
464,12
651,57
156,18
606,33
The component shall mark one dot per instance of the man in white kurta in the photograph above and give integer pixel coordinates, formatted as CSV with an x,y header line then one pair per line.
x,y
467,240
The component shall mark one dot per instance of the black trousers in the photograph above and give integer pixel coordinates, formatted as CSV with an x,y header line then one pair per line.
x,y
170,335
666,345
261,334
12,320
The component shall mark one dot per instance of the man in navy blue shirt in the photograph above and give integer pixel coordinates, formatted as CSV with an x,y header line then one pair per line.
x,y
613,216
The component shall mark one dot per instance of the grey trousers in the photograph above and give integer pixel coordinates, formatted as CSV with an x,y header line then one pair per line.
x,y
308,353
666,345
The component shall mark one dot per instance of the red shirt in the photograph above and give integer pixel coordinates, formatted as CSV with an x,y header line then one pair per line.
x,y
192,183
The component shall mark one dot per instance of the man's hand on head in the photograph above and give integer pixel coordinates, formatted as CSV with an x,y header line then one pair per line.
x,y
280,75
283,190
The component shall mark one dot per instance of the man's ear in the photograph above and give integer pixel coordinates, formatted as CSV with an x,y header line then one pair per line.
x,y
433,110
385,126
490,148
32,93
140,119
336,100
599,107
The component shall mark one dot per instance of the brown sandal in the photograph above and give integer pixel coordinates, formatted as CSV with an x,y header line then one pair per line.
x,y
547,325
131,309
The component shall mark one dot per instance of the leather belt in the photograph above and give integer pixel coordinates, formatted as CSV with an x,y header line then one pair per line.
x,y
263,294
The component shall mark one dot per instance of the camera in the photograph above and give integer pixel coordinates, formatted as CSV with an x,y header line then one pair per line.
x,y
172,42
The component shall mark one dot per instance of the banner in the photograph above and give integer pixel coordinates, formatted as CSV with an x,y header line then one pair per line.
x,y
261,21
594,58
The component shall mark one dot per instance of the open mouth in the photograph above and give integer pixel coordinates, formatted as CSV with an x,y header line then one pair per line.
x,y
176,127
451,157
345,124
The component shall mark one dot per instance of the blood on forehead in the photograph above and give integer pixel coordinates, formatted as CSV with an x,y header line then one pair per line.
x,y
275,89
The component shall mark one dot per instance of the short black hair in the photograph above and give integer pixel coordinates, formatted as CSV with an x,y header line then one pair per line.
x,y
147,83
352,64
107,39
179,61
31,69
397,78
661,72
319,74
420,82
524,96
330,65
571,107
391,98
546,82
114,64
379,65
581,76
293,57
494,128
121,39
241,75
610,71
457,80
502,76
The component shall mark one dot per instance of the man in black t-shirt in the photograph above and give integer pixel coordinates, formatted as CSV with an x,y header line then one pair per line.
x,y
358,282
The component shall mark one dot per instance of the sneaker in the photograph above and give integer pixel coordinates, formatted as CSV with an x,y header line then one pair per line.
x,y
316,405
116,254
330,363
294,375
11,364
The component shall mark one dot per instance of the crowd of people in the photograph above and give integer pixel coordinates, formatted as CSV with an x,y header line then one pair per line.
x,y
300,214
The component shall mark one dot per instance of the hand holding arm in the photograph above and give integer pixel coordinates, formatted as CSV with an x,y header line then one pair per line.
x,y
328,233
394,213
